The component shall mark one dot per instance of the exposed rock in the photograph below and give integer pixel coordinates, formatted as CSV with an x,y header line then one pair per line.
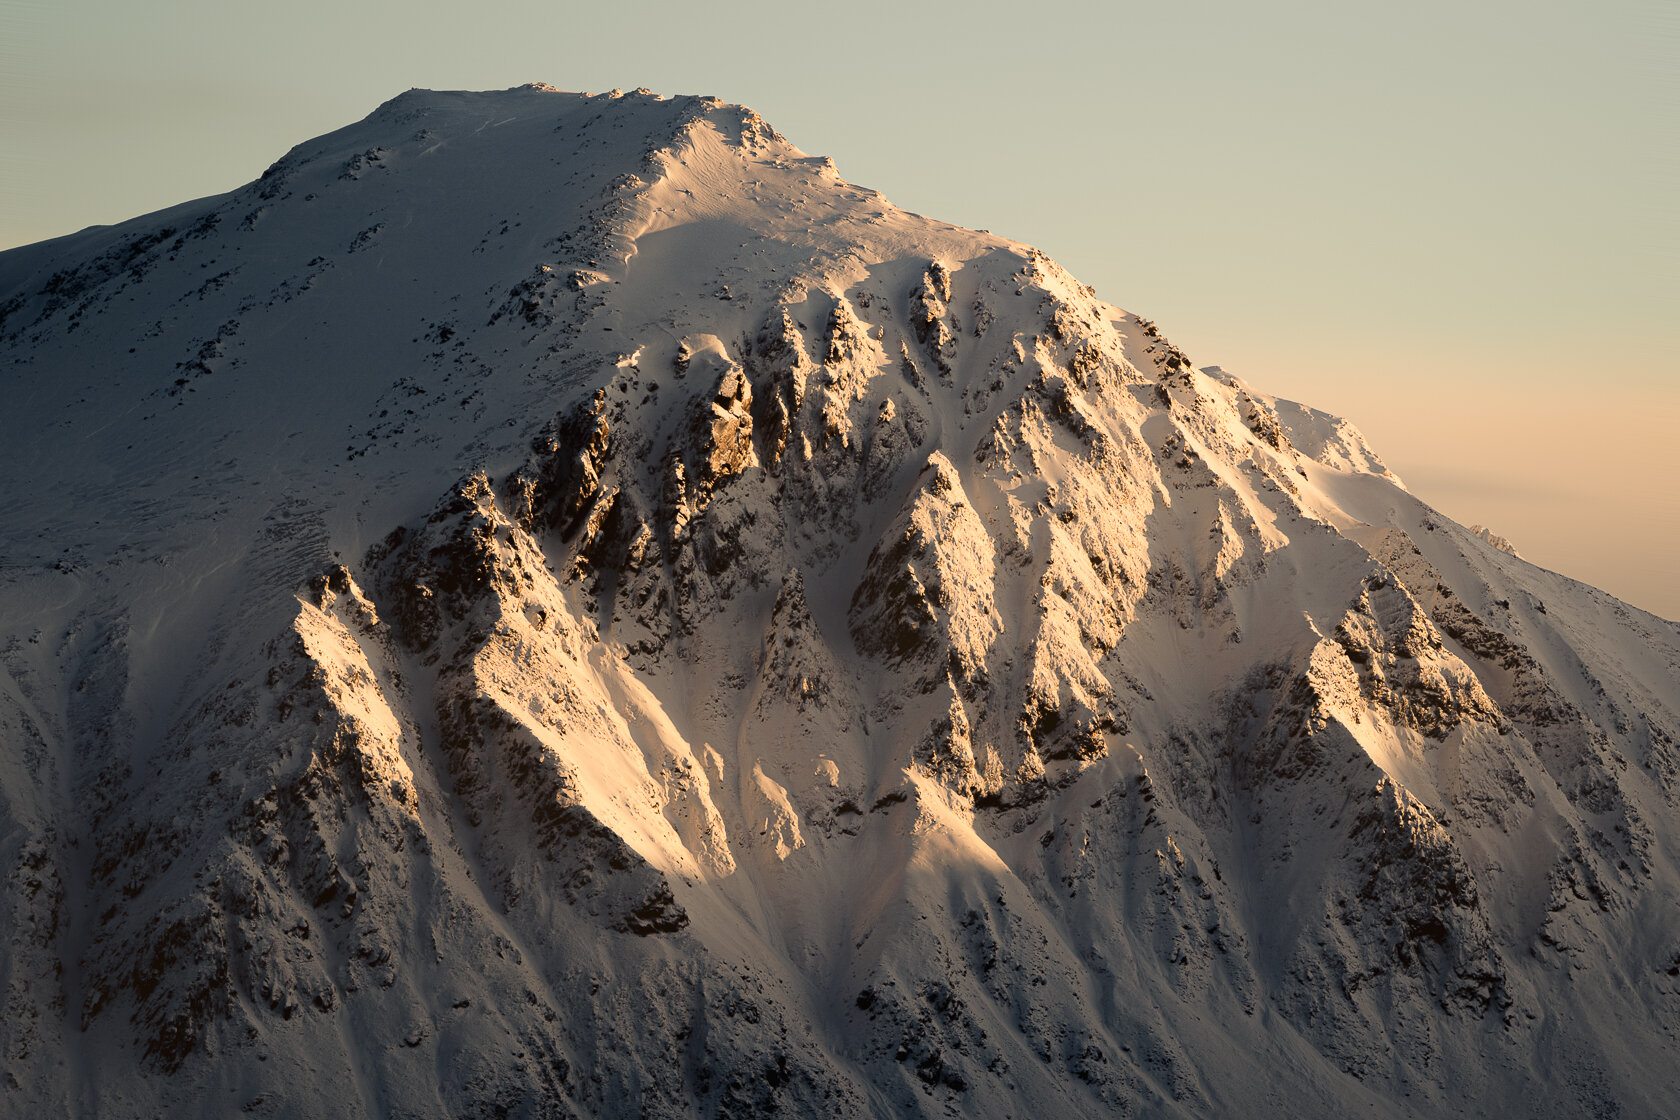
x,y
816,661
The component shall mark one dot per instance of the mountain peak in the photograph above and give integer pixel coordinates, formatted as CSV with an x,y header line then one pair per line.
x,y
573,567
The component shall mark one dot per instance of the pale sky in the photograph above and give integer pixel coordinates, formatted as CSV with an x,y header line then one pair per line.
x,y
1454,224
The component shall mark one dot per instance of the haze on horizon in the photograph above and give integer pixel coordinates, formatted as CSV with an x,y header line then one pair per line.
x,y
1454,227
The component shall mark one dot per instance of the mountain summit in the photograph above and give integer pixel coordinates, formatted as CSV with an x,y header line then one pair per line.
x,y
561,605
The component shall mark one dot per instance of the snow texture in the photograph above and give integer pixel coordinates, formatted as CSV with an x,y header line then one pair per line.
x,y
560,605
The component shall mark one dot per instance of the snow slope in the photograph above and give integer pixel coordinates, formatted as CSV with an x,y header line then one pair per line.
x,y
558,605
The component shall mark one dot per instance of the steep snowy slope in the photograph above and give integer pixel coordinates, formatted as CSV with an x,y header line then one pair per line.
x,y
558,605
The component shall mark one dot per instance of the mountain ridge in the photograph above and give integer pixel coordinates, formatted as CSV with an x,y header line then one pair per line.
x,y
593,607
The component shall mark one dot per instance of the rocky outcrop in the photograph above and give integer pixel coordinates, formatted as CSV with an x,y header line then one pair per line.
x,y
815,661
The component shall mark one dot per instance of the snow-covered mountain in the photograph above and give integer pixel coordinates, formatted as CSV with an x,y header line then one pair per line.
x,y
556,605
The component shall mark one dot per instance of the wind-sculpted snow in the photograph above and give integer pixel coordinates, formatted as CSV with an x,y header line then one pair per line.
x,y
562,606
